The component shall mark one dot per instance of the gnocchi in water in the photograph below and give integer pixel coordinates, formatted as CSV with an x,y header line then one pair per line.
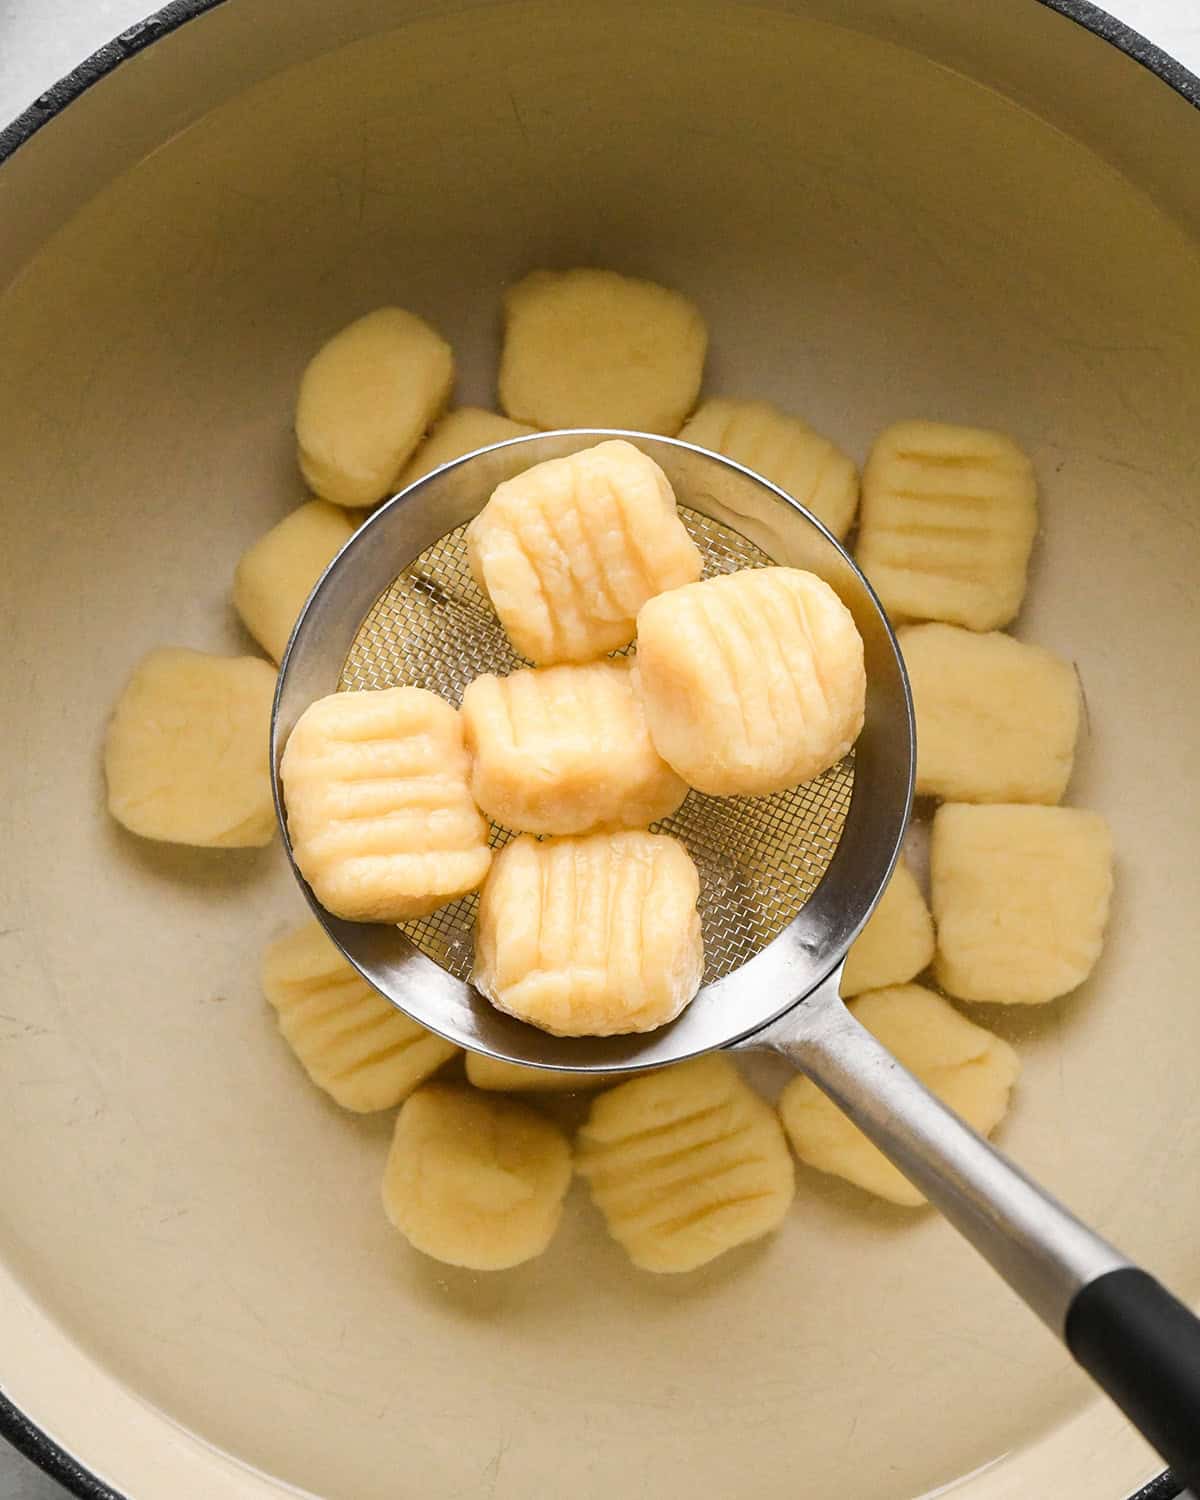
x,y
365,401
275,577
185,758
354,1044
590,348
948,520
1020,899
379,809
475,1179
590,936
784,450
966,1066
565,750
752,682
685,1164
569,551
897,942
492,1073
460,432
996,718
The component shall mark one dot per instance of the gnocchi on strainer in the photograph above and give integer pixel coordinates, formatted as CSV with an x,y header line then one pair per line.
x,y
354,1044
569,551
379,808
475,1179
564,750
753,681
685,1164
590,936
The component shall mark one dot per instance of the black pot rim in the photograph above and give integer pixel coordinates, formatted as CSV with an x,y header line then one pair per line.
x,y
15,1426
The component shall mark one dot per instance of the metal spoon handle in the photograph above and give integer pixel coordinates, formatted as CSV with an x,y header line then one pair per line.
x,y
1128,1332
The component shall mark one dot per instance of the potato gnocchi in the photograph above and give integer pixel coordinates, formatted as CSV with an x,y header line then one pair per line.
x,y
948,520
966,1066
379,808
492,1074
475,1180
1020,898
564,750
275,576
590,936
354,1044
897,942
460,432
996,719
685,1164
590,348
784,450
752,681
569,551
185,757
365,401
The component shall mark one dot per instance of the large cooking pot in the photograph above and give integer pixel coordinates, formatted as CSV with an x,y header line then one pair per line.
x,y
981,213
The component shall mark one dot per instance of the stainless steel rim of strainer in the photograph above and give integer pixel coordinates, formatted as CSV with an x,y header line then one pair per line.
x,y
812,944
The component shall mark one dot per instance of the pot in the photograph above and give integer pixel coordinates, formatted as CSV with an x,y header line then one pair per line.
x,y
981,214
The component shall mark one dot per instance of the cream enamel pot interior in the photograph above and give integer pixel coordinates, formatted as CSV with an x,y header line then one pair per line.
x,y
985,214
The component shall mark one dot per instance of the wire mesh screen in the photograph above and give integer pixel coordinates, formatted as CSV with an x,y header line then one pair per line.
x,y
759,858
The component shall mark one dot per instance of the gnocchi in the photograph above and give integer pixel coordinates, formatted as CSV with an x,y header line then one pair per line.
x,y
897,942
475,1180
685,1164
947,523
276,575
460,432
966,1066
494,1074
185,757
569,551
365,400
354,1044
379,808
590,936
996,719
784,450
564,750
752,681
1020,899
591,348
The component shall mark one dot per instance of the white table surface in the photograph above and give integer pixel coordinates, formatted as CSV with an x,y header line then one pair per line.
x,y
40,40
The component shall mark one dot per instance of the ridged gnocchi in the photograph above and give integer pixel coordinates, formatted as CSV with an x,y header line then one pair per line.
x,y
947,523
354,1044
897,941
475,1180
569,551
564,750
460,431
365,400
1020,897
966,1066
591,348
185,757
784,450
276,575
379,807
751,681
996,719
685,1164
590,936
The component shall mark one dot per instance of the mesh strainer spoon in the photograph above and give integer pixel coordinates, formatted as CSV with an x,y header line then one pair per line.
x,y
787,883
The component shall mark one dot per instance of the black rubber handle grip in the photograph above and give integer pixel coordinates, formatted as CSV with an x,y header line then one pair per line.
x,y
1142,1346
